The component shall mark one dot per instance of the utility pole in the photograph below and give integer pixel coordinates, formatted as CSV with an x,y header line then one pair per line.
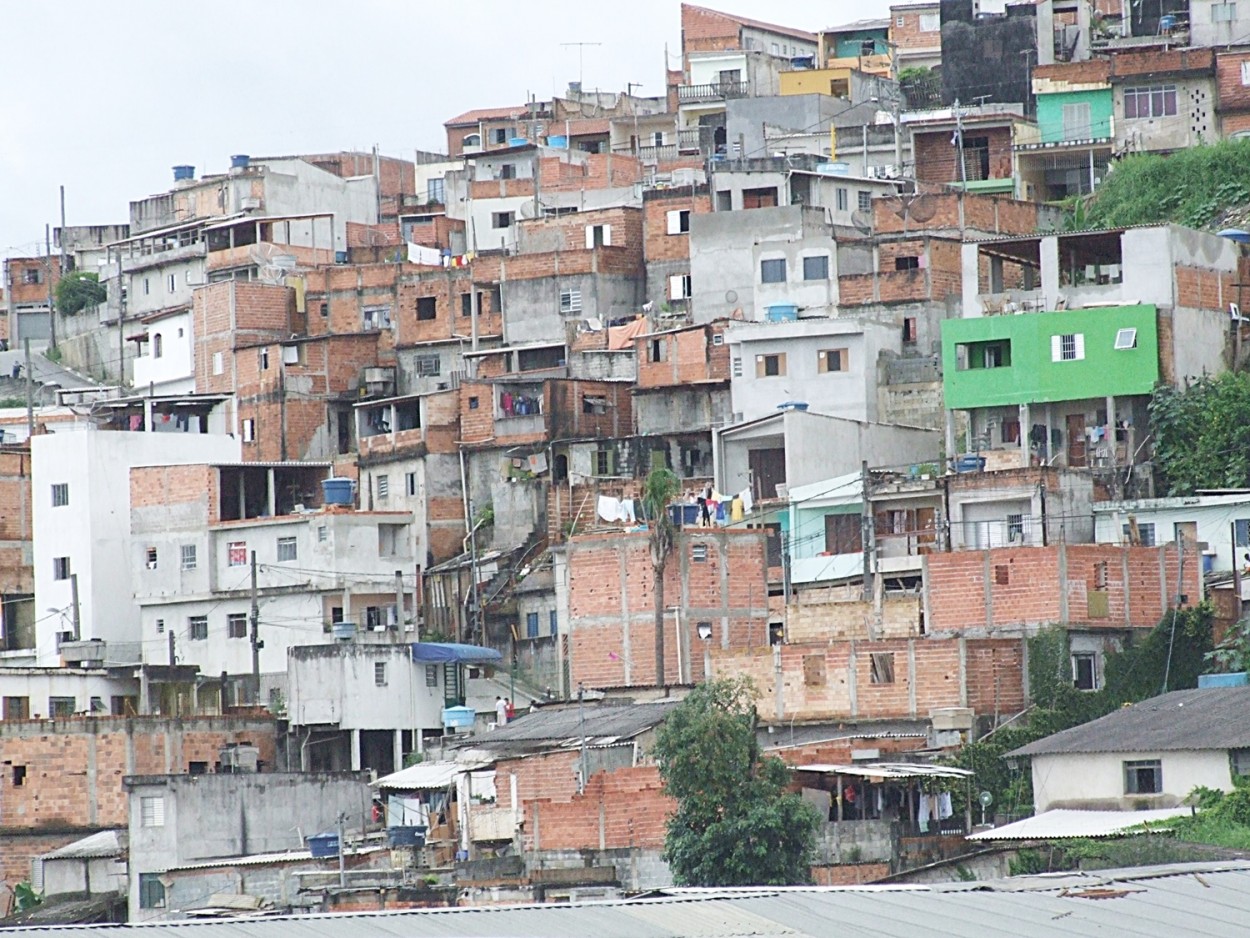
x,y
30,392
342,847
64,253
581,723
47,263
898,108
173,657
73,593
959,140
121,320
257,644
399,600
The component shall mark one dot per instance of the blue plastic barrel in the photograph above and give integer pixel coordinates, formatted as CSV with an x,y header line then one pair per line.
x,y
782,312
324,845
338,491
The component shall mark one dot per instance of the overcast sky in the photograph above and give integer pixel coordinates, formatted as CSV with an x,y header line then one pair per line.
x,y
104,97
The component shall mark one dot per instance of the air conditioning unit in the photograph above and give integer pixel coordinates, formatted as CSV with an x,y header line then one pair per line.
x,y
239,758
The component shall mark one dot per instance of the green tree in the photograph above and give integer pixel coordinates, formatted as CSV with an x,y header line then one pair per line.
x,y
659,489
1201,435
735,823
77,290
921,87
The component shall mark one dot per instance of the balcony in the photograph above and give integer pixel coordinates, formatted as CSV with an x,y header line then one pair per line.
x,y
716,91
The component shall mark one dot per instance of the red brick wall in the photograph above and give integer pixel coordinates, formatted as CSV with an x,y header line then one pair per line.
x,y
1232,97
660,245
611,577
1202,288
690,355
619,809
937,160
849,874
1025,586
1161,61
568,232
908,36
21,292
15,522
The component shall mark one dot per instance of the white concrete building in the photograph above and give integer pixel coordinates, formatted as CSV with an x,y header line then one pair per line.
x,y
43,693
166,360
1218,524
1152,754
828,364
80,479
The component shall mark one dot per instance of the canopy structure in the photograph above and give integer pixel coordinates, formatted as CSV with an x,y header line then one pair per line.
x,y
425,775
453,653
882,770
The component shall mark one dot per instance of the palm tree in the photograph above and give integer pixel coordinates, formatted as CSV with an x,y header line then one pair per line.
x,y
659,489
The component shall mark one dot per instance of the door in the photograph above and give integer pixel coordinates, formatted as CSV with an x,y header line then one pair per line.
x,y
1076,440
843,534
768,470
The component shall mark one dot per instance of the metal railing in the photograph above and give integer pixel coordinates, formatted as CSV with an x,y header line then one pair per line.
x,y
711,92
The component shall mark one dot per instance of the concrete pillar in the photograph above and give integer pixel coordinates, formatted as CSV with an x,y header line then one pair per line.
x,y
397,749
1026,425
355,750
1111,429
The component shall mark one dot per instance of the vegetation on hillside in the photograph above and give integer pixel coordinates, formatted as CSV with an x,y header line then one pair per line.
x,y
1197,187
1201,435
77,290
1163,661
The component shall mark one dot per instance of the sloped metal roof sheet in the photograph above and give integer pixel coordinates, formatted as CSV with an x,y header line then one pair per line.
x,y
1065,823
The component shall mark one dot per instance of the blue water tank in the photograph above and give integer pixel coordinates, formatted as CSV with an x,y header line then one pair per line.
x,y
792,405
183,173
517,141
782,312
339,491
324,845
970,462
406,836
458,716
1236,679
561,142
240,161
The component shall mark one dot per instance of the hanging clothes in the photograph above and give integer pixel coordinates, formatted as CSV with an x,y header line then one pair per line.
x,y
945,808
609,508
747,503
922,813
627,511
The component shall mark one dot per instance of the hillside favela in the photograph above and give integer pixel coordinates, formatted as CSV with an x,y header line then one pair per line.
x,y
806,493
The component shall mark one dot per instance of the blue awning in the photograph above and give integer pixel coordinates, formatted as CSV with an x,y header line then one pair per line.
x,y
453,653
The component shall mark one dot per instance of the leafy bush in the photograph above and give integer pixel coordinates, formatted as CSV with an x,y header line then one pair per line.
x,y
77,290
1202,439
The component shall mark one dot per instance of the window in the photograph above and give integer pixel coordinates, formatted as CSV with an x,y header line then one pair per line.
x,y
1084,670
172,283
1241,528
816,268
160,626
553,622
471,140
1245,73
770,366
152,811
1240,759
410,484
32,276
605,462
679,287
570,301
197,628
323,534
507,171
427,308
19,774
718,339
864,200
1125,339
678,221
834,359
236,553
1015,529
249,430
698,553
187,556
657,350
737,367
287,549
151,557
1143,777
151,891
379,317
499,135
434,190
930,22
384,487
1223,12
531,625
842,200
61,706
773,270
379,673
219,363
60,494
657,138
16,708
501,219
466,303
391,539
60,568
598,236
907,262
1067,348
264,359
1152,101
1002,575
236,625
158,345
594,404
473,403
428,366
909,329
431,675
1145,532
882,667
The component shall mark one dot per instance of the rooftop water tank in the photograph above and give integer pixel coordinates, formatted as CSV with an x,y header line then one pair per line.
x,y
560,142
339,491
183,173
782,312
324,845
240,161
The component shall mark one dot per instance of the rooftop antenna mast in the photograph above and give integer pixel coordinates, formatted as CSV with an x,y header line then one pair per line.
x,y
581,57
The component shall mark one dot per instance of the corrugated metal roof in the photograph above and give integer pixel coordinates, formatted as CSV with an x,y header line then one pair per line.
x,y
603,722
1198,900
266,859
425,775
1065,823
888,770
1210,718
102,844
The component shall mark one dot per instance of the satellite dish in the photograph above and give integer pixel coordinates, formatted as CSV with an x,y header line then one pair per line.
x,y
862,221
922,207
526,210
731,296
272,263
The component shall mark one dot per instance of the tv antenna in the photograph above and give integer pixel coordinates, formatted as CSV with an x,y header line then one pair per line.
x,y
581,57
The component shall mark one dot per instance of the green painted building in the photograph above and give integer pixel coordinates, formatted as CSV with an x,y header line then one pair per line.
x,y
1075,115
1038,358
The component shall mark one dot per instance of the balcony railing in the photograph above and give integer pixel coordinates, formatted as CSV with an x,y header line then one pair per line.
x,y
716,91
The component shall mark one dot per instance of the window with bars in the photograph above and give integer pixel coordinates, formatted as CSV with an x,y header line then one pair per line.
x,y
1150,101
379,673
197,628
570,301
60,494
288,549
187,556
236,625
